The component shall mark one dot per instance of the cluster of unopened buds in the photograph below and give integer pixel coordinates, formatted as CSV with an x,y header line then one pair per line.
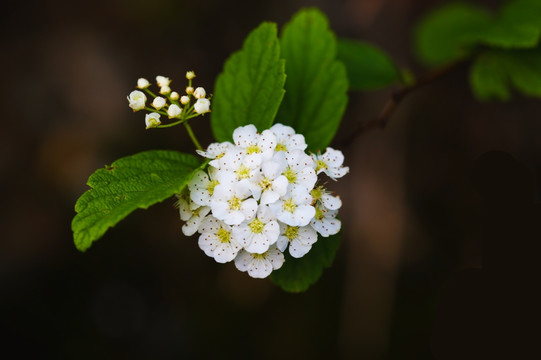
x,y
260,197
169,103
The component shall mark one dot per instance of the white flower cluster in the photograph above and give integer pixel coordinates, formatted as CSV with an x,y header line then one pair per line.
x,y
259,197
160,106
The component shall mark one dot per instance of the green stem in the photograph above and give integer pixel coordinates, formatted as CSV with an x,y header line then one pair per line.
x,y
192,136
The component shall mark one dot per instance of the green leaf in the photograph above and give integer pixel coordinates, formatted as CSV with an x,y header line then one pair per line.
x,y
316,86
251,87
132,182
495,72
296,275
518,25
450,32
367,66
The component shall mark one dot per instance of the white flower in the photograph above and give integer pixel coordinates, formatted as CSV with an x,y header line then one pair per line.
x,y
325,222
202,106
300,239
189,90
294,208
152,120
137,100
259,233
142,83
164,90
184,99
300,169
199,93
326,199
192,224
216,240
185,205
230,203
260,265
254,144
215,151
330,163
190,75
158,102
241,166
162,81
174,111
202,185
174,95
286,138
271,184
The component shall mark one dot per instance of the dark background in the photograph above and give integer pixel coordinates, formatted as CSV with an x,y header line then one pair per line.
x,y
447,174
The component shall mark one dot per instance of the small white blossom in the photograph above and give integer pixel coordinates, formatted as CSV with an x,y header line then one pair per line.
x,y
260,265
258,234
230,203
137,100
142,83
216,240
174,95
184,99
190,75
300,239
202,106
186,206
325,222
174,111
189,90
300,169
326,199
164,90
199,93
271,184
215,151
255,144
158,102
192,224
152,120
202,185
331,163
294,208
162,81
286,138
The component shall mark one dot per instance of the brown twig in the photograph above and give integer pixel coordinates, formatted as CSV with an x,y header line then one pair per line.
x,y
397,97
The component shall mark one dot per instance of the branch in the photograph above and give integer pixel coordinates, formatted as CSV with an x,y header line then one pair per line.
x,y
398,96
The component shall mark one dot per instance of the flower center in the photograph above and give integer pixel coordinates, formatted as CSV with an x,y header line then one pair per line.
x,y
281,147
210,187
289,205
256,226
290,175
243,172
259,256
223,235
291,232
234,203
265,183
317,193
320,164
253,149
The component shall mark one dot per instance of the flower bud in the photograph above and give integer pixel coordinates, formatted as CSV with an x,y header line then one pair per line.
x,y
158,102
137,100
202,106
152,120
174,111
199,93
174,95
164,90
184,100
190,75
189,90
162,81
142,83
